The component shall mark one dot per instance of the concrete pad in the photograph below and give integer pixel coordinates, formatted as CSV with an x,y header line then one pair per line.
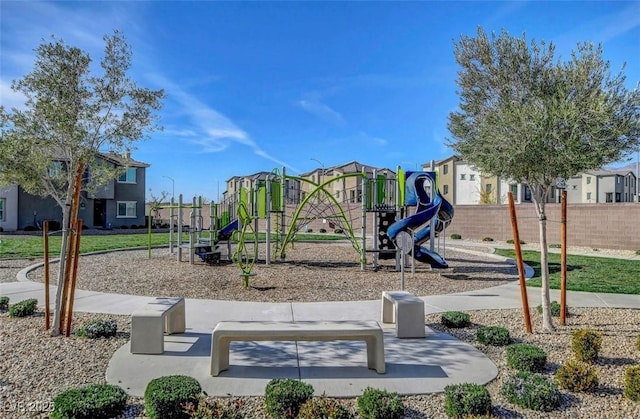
x,y
336,368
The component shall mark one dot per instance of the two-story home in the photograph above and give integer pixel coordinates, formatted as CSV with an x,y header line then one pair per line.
x,y
607,186
119,203
347,189
236,183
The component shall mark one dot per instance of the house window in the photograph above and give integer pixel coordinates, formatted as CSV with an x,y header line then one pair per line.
x,y
609,197
129,176
588,180
352,196
574,186
463,176
527,193
127,209
588,196
488,188
2,205
55,168
618,197
445,189
514,189
618,180
472,177
445,169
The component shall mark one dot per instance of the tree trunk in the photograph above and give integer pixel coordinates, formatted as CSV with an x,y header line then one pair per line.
x,y
66,217
547,324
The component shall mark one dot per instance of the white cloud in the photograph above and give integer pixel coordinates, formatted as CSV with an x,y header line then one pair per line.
x,y
208,128
10,98
321,111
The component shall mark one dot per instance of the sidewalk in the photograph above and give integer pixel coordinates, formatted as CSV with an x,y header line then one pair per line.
x,y
337,369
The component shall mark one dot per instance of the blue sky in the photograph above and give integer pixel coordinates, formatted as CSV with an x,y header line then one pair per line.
x,y
254,86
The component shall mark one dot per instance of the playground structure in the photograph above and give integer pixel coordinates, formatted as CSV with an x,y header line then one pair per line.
x,y
400,215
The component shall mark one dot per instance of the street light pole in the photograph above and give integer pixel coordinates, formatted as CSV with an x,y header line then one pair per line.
x,y
322,173
173,187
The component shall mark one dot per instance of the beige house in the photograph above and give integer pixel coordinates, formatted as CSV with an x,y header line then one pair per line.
x,y
347,189
606,186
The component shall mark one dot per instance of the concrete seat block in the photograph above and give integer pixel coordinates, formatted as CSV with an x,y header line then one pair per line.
x,y
150,322
406,311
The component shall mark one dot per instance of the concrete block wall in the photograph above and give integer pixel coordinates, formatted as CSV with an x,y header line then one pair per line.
x,y
606,226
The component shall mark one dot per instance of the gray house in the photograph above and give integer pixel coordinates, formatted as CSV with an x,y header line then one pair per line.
x,y
120,203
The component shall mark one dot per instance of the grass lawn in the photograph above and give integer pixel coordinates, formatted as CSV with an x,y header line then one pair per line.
x,y
32,246
585,273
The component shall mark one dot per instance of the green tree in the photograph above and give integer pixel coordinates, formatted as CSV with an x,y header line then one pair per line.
x,y
70,117
526,116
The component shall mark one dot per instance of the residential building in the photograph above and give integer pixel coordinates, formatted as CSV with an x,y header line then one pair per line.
x,y
602,186
236,183
347,189
119,203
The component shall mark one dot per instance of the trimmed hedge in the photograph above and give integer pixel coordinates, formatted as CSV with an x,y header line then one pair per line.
x,y
23,308
576,375
465,400
283,397
455,319
99,401
525,357
532,391
380,404
168,397
493,335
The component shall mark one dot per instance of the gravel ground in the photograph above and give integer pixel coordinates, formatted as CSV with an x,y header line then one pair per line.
x,y
35,367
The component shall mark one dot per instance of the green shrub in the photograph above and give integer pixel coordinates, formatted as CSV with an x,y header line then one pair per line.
x,y
465,400
4,303
632,383
456,236
586,344
380,404
309,230
167,397
555,246
525,357
493,335
205,409
455,319
23,308
638,343
338,231
511,241
323,408
576,375
98,329
30,228
284,397
637,252
532,391
487,239
93,401
555,309
323,230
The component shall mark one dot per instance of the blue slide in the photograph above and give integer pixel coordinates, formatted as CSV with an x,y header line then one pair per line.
x,y
226,232
427,208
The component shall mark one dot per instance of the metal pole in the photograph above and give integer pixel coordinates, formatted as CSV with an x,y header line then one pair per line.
x,y
268,222
563,259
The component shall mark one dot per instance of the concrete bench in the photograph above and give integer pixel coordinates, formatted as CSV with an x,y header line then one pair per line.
x,y
150,322
227,332
406,311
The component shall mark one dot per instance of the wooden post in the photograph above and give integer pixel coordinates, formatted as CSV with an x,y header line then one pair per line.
x,y
74,277
563,259
75,204
520,264
47,303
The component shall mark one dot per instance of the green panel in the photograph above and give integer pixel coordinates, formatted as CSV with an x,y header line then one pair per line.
x,y
381,185
225,219
369,192
401,184
262,202
244,196
276,196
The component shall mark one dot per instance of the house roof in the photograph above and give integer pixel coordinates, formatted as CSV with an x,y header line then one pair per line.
x,y
604,172
120,160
